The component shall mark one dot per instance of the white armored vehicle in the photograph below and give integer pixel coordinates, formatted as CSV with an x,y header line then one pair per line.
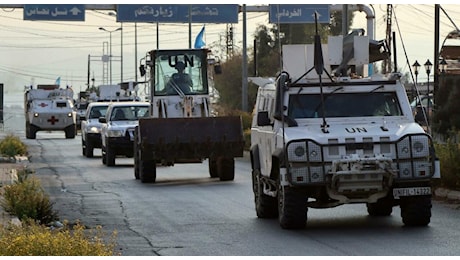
x,y
48,108
326,134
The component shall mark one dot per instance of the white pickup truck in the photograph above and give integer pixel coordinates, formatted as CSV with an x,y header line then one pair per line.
x,y
117,131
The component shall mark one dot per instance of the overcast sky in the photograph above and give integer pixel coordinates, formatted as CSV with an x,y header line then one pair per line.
x,y
37,52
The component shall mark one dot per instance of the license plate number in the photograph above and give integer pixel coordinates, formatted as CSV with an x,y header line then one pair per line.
x,y
414,191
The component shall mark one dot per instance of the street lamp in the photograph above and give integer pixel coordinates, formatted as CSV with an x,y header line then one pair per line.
x,y
121,46
428,65
110,43
443,66
416,66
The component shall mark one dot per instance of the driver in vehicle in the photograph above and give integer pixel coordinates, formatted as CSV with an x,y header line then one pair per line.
x,y
179,81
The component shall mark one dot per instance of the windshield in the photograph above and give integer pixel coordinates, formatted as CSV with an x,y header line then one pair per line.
x,y
344,105
129,113
180,73
98,111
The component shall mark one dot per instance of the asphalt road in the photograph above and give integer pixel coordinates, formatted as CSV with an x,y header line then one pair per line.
x,y
186,213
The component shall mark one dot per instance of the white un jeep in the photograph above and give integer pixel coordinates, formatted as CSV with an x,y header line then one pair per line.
x,y
321,141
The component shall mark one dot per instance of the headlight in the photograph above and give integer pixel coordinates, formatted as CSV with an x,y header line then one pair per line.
x,y
69,114
297,152
35,114
114,133
93,129
413,146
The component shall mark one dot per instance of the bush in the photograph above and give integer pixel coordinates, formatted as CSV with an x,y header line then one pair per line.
x,y
33,239
27,200
11,146
449,156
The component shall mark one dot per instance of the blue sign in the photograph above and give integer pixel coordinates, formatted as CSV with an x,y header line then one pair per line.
x,y
53,12
176,13
298,13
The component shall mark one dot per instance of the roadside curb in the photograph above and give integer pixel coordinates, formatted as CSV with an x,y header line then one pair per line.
x,y
447,194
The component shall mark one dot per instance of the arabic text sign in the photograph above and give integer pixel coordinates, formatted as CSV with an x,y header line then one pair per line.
x,y
176,13
54,12
298,13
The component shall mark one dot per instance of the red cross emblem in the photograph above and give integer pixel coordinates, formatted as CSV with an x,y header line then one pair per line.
x,y
53,120
43,105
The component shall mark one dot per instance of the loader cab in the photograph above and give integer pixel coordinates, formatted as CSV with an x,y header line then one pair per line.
x,y
179,72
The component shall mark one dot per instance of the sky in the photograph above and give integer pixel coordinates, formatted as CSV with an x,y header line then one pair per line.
x,y
38,52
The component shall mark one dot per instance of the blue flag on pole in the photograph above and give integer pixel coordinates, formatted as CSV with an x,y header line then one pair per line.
x,y
199,42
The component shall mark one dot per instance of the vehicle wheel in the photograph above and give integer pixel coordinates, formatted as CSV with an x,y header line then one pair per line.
x,y
89,150
147,171
416,210
265,205
33,132
70,131
226,168
136,158
28,128
83,147
104,157
292,209
383,207
109,155
212,162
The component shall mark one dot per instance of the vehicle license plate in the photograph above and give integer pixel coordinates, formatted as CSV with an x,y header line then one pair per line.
x,y
414,191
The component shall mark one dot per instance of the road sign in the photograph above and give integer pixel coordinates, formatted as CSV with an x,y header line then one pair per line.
x,y
176,13
54,12
298,13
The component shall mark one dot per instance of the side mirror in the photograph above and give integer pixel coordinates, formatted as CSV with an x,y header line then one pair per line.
x,y
262,118
102,120
142,70
82,118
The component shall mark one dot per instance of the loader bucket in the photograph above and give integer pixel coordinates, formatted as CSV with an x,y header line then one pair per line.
x,y
174,139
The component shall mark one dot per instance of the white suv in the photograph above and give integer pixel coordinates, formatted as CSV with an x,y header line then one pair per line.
x,y
117,133
91,128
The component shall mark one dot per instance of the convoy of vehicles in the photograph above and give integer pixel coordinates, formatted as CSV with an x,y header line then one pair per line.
x,y
181,127
322,141
91,127
49,108
117,130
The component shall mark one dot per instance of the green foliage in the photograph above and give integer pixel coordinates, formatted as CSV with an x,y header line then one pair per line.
x,y
27,200
449,156
11,146
31,239
229,85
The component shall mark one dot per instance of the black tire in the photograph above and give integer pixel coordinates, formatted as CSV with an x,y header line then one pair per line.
x,y
83,147
28,131
109,155
147,171
104,157
70,132
89,150
383,207
292,208
266,206
31,131
226,168
416,210
213,172
136,157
